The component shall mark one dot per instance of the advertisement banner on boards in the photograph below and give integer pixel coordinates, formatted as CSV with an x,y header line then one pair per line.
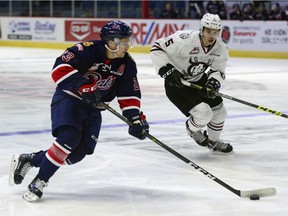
x,y
246,35
32,29
147,31
144,31
83,30
249,35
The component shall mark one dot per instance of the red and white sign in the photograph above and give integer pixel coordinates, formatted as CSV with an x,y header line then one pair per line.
x,y
83,30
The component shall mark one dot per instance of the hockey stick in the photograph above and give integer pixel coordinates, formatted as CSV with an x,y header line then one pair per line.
x,y
192,85
264,192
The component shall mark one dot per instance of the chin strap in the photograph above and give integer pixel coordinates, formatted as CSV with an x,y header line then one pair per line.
x,y
113,51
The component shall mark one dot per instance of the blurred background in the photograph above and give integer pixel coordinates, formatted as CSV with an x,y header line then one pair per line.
x,y
230,10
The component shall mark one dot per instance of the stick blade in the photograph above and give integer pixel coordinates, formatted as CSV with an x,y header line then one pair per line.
x,y
265,192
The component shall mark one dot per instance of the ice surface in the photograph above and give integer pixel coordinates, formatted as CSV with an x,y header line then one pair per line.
x,y
127,177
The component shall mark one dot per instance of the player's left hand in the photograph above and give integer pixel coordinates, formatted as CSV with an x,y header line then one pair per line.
x,y
211,86
139,127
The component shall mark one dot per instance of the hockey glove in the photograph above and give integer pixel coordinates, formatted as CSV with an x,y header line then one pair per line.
x,y
90,93
171,76
211,86
139,127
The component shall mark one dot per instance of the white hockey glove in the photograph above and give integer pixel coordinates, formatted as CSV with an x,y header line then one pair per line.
x,y
171,75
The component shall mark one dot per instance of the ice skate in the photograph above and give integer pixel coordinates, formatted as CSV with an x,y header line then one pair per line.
x,y
35,190
199,137
20,165
220,147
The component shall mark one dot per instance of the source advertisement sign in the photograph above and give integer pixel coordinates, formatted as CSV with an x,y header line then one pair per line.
x,y
271,36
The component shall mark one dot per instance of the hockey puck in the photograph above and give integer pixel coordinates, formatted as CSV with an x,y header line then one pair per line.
x,y
254,197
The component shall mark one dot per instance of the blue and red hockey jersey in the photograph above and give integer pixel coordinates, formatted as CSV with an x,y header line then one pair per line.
x,y
115,77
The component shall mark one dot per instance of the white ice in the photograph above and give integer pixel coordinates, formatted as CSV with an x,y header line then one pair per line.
x,y
127,177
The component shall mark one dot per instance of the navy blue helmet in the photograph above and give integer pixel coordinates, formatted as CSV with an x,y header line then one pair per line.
x,y
115,29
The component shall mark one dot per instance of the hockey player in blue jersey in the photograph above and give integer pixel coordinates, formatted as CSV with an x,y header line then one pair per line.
x,y
85,74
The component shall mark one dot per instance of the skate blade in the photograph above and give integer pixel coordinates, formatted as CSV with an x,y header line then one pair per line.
x,y
221,153
30,197
14,163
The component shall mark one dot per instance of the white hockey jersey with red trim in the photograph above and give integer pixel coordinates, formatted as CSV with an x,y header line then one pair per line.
x,y
186,53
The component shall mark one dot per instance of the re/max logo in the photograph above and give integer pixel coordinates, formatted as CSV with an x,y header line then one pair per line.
x,y
146,34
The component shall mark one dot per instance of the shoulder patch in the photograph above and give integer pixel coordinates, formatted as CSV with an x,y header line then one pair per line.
x,y
87,43
184,35
195,50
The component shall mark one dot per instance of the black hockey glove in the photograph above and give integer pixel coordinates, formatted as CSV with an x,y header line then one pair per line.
x,y
211,86
139,127
171,76
90,93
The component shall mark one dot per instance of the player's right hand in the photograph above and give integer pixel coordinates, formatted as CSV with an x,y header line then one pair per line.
x,y
211,86
171,75
90,93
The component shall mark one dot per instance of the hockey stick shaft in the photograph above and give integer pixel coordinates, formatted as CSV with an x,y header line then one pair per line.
x,y
192,85
260,192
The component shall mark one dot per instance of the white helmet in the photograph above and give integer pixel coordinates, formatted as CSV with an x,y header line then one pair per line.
x,y
212,21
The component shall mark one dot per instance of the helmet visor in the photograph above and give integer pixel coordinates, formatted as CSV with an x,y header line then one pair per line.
x,y
125,42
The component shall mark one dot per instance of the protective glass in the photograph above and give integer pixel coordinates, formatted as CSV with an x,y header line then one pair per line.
x,y
124,43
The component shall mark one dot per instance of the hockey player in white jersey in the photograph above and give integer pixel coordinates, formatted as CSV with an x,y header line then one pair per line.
x,y
198,57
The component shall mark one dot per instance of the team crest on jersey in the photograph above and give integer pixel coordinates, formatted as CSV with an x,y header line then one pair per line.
x,y
196,68
195,50
184,35
102,82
